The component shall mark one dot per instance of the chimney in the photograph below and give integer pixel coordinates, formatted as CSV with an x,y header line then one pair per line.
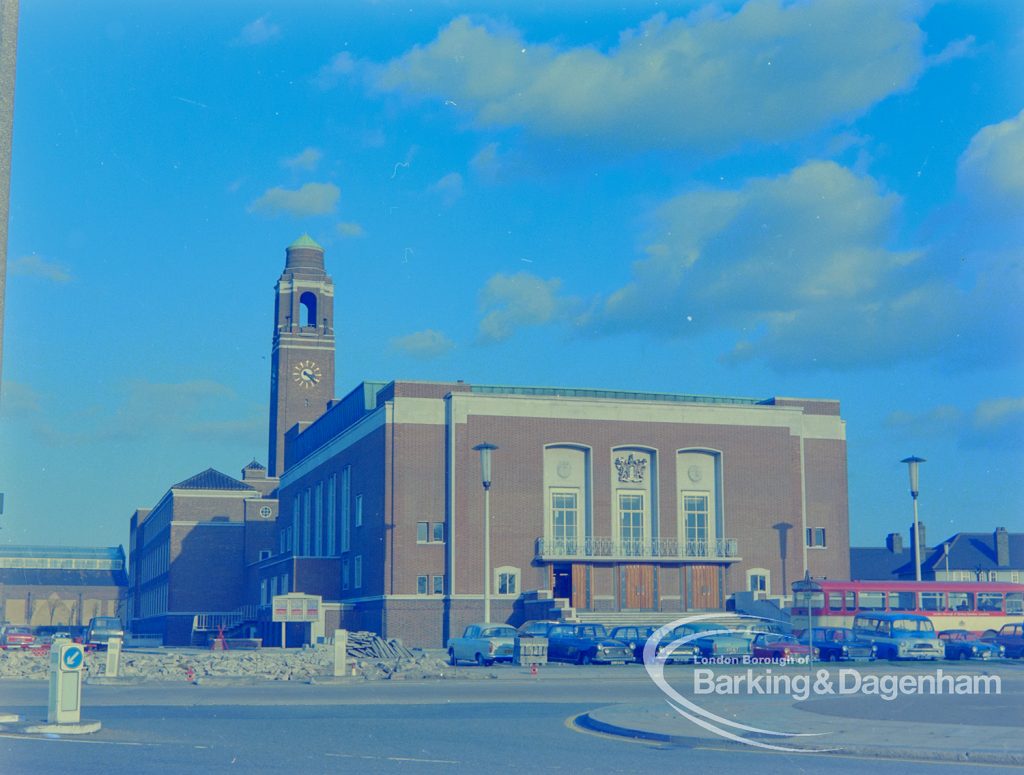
x,y
924,541
1002,547
894,543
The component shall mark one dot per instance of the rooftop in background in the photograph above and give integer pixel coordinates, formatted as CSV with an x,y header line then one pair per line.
x,y
211,479
64,552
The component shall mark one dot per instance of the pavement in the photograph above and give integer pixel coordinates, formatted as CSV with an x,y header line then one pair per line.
x,y
977,729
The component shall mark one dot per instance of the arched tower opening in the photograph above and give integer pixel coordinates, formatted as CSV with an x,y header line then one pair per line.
x,y
307,310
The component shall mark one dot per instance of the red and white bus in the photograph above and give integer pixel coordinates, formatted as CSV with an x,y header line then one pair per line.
x,y
965,605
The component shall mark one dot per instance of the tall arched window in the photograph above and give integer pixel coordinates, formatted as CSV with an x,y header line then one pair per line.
x,y
307,313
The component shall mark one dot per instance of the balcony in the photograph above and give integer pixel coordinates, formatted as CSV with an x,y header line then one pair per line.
x,y
597,549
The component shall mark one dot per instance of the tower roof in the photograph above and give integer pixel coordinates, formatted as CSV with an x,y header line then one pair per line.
x,y
305,241
211,479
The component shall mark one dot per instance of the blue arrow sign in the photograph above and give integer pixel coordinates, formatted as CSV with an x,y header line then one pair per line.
x,y
73,657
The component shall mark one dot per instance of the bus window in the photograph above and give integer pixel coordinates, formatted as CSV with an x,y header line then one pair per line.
x,y
872,601
933,601
901,601
1014,603
835,601
990,601
961,601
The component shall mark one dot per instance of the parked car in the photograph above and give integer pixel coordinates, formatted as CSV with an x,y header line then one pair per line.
x,y
636,637
900,636
585,643
771,645
17,637
1011,638
102,629
483,643
535,628
961,644
838,644
721,644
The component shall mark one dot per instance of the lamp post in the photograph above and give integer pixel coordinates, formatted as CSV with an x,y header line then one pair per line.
x,y
808,587
945,551
485,450
912,463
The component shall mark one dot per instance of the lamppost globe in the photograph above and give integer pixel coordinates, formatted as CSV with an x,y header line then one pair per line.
x,y
912,463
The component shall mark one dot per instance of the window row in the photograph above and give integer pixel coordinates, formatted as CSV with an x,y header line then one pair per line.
x,y
505,583
275,585
60,563
352,575
430,532
323,517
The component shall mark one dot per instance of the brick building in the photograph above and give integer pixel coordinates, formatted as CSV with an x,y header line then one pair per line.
x,y
44,586
195,552
601,500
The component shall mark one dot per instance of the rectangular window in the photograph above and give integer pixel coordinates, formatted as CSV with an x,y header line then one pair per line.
x,y
263,592
758,582
695,523
933,601
901,601
318,520
565,521
631,523
508,582
264,554
357,572
296,526
346,508
438,534
1014,603
422,532
422,587
438,585
359,510
332,515
816,537
345,580
285,588
273,585
1015,577
990,601
872,601
306,529
961,601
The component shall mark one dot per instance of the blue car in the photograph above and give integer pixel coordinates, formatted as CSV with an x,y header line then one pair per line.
x,y
961,644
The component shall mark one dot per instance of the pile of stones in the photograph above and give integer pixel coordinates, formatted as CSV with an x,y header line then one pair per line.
x,y
192,665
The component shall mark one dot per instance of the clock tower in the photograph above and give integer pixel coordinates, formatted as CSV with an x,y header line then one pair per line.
x,y
302,361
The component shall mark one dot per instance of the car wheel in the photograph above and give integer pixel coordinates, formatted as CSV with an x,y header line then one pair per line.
x,y
451,658
480,660
963,656
584,658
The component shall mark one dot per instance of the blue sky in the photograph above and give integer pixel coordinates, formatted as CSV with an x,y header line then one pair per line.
x,y
804,199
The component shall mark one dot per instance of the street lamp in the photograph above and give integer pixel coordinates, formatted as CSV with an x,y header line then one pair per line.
x,y
485,450
808,587
913,462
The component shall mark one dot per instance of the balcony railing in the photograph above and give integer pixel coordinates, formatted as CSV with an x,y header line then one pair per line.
x,y
598,548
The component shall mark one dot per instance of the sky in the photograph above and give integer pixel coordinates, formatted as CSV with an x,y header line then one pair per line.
x,y
763,198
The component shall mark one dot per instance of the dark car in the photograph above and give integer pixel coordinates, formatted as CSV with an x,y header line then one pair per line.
x,y
772,645
102,629
636,637
585,643
961,644
16,637
535,628
838,644
1011,638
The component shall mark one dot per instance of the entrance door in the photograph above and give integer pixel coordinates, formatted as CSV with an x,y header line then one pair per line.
x,y
638,586
580,588
704,589
561,581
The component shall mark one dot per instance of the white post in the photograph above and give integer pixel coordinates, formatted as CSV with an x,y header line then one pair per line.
x,y
340,652
917,543
113,657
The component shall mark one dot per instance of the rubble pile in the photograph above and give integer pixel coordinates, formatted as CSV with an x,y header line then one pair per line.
x,y
370,657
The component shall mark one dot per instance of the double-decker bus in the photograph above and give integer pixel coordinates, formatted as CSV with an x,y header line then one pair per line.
x,y
976,606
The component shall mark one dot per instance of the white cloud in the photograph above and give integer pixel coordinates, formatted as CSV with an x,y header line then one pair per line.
x,y
485,162
307,159
957,49
350,229
992,167
510,302
423,344
310,199
771,71
341,65
449,188
35,266
257,32
998,411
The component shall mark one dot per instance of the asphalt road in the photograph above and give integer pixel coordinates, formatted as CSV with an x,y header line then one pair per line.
x,y
443,726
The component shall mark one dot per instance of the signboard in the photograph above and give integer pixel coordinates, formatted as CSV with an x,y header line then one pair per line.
x,y
296,607
72,657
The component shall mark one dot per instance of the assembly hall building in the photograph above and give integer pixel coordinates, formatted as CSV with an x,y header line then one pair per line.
x,y
600,501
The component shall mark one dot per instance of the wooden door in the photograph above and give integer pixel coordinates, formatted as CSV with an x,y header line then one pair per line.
x,y
580,587
638,586
704,589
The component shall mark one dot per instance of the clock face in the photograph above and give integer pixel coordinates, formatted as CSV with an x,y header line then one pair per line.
x,y
307,374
